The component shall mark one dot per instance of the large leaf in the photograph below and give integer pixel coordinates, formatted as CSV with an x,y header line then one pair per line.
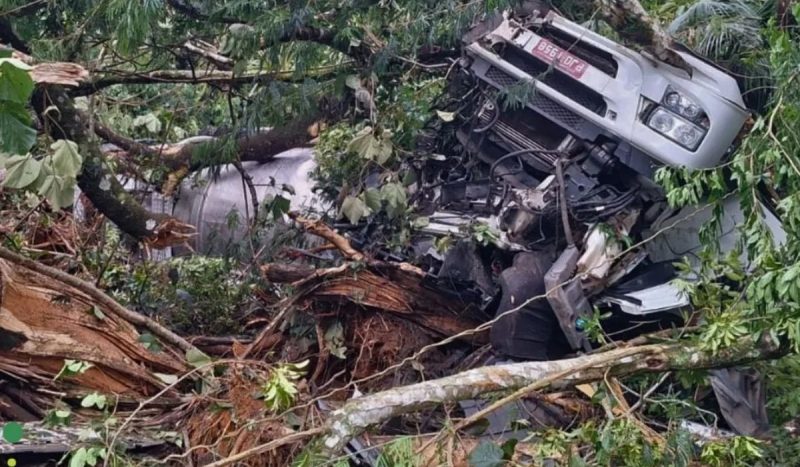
x,y
365,144
354,209
486,454
16,136
16,84
59,191
395,196
372,197
197,358
66,160
21,171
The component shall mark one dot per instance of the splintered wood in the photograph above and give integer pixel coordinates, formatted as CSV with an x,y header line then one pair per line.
x,y
44,322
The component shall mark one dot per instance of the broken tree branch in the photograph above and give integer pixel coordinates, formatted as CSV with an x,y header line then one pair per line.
x,y
639,29
322,230
111,78
210,53
62,120
130,316
359,414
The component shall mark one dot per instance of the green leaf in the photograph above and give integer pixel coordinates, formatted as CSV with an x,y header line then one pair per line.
x,y
372,198
149,121
59,191
280,206
366,145
78,458
94,400
508,448
16,84
486,454
16,135
167,379
76,367
354,209
420,222
196,358
66,160
22,171
150,342
395,196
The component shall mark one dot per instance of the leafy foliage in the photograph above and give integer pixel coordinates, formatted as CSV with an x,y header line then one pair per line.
x,y
16,86
398,453
196,293
486,454
280,390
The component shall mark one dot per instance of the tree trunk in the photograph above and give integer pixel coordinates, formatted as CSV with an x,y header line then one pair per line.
x,y
359,414
632,22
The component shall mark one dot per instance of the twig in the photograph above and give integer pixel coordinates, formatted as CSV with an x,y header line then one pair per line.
x,y
649,393
294,437
320,229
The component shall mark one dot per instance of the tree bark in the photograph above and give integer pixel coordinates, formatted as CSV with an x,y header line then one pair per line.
x,y
228,78
359,414
98,296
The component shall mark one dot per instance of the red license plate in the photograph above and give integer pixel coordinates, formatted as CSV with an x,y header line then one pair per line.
x,y
560,58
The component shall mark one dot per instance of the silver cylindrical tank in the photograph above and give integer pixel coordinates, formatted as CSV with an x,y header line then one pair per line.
x,y
218,206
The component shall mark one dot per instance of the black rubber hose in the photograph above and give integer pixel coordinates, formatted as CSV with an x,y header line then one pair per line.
x,y
516,154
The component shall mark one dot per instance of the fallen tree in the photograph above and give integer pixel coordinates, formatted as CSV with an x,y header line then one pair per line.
x,y
522,379
359,414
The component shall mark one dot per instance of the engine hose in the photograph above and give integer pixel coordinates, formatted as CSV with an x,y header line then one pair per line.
x,y
492,121
562,194
516,154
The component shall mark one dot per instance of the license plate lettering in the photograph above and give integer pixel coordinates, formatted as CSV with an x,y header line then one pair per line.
x,y
561,59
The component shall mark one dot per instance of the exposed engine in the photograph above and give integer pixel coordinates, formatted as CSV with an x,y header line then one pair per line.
x,y
556,161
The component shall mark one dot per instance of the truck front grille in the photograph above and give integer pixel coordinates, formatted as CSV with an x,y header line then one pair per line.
x,y
557,80
543,104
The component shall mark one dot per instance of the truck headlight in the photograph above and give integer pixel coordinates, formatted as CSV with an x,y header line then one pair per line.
x,y
683,105
676,128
